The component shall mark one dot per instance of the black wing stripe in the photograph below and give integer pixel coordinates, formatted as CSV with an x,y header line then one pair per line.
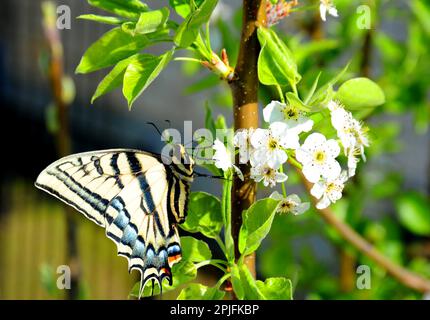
x,y
93,199
115,168
133,162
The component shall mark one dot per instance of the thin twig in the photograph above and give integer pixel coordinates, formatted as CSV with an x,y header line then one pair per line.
x,y
404,276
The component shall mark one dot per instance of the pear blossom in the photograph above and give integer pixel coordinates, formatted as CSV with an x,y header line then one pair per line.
x,y
352,161
292,203
294,118
223,158
329,190
327,6
349,130
268,175
242,141
269,145
317,155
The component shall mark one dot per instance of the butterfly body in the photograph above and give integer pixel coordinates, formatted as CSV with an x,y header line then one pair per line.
x,y
138,197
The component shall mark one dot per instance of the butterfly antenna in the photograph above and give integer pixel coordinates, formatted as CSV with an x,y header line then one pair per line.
x,y
198,174
156,128
168,122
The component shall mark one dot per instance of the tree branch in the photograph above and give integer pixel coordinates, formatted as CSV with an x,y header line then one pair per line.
x,y
244,89
404,276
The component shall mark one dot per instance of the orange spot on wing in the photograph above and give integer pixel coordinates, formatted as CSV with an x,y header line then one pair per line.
x,y
174,259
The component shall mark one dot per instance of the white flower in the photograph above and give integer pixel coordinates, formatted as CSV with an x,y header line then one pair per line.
x,y
270,143
269,175
242,140
327,6
223,158
352,161
349,130
329,190
317,155
291,203
295,119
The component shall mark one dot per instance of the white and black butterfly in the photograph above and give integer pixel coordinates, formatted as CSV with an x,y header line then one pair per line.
x,y
133,194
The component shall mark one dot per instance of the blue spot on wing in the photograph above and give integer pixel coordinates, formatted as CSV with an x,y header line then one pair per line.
x,y
138,249
129,236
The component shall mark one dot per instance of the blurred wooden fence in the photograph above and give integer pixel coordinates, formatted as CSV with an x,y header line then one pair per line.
x,y
33,238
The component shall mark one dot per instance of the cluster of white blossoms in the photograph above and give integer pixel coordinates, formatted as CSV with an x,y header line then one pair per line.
x,y
267,150
327,6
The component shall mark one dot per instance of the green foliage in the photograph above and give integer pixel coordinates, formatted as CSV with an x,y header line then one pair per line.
x,y
204,215
184,7
152,21
112,47
102,19
257,221
141,72
124,8
189,28
197,291
276,65
360,93
276,288
114,78
195,250
414,212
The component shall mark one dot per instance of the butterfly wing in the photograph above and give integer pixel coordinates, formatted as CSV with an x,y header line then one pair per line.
x,y
125,191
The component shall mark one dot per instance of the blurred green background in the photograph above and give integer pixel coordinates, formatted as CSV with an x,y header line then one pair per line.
x,y
388,203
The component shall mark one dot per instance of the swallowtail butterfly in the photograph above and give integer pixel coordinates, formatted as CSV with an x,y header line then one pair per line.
x,y
135,196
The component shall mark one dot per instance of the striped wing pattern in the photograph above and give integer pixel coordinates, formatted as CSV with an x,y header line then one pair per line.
x,y
132,195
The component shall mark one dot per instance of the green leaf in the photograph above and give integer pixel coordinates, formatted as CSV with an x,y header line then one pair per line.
x,y
113,79
183,7
197,291
360,93
257,221
236,282
124,8
102,19
195,250
312,89
414,213
140,74
276,64
152,21
204,215
295,102
276,288
113,46
189,28
182,272
252,291
326,93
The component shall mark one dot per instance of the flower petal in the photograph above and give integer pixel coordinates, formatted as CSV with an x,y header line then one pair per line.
x,y
318,190
323,203
276,196
332,148
311,173
273,112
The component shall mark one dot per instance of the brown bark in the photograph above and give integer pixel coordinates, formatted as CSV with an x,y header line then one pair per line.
x,y
244,89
